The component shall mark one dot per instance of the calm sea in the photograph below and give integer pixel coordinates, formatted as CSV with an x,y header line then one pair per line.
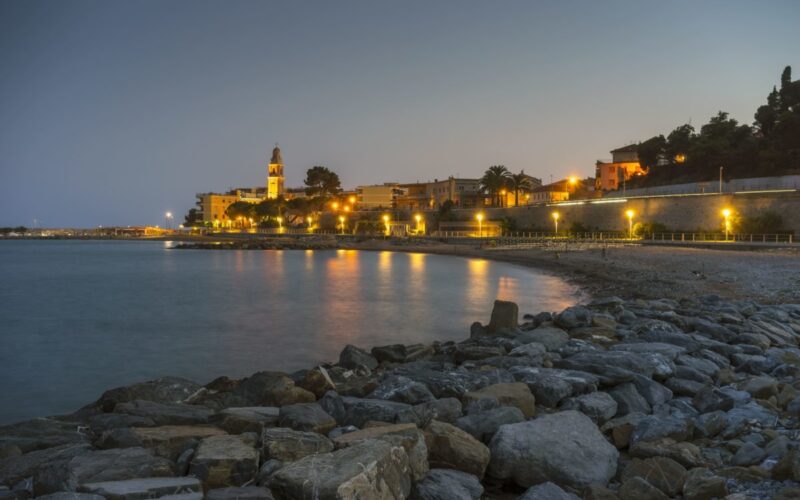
x,y
80,317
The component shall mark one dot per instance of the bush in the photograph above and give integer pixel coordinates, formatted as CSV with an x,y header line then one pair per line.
x,y
763,223
577,227
645,229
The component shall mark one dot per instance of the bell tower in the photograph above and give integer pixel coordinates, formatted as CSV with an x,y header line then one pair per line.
x,y
275,174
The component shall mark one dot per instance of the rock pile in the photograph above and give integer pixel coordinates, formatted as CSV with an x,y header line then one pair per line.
x,y
627,400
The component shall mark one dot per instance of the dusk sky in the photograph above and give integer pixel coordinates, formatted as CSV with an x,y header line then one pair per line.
x,y
112,113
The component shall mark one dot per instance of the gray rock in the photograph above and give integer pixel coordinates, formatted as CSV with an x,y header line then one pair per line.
x,y
574,317
166,414
710,424
112,465
710,399
483,425
406,435
652,428
669,351
760,387
238,420
359,411
107,421
547,491
748,454
550,386
70,495
629,400
599,406
352,357
166,390
439,484
449,383
683,387
653,392
550,337
402,390
239,493
47,467
225,460
39,434
166,441
395,353
287,445
308,417
451,448
565,448
373,469
267,469
151,487
532,350
443,410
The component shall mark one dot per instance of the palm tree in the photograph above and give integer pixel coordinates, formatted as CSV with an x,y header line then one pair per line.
x,y
519,182
494,179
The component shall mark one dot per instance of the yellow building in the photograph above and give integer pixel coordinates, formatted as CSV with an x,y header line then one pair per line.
x,y
275,175
611,175
378,196
214,205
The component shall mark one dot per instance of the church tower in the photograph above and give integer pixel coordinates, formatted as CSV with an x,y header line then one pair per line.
x,y
275,174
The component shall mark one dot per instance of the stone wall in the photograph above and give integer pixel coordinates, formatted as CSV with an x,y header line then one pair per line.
x,y
678,213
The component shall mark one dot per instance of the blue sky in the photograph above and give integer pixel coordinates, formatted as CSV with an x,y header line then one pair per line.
x,y
114,112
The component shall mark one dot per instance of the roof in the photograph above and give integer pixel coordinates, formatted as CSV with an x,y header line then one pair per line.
x,y
276,156
631,148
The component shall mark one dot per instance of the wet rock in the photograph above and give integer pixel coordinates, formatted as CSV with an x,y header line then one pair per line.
x,y
629,400
309,417
748,454
39,464
686,454
505,316
395,353
550,337
107,421
166,390
271,389
239,493
165,441
702,484
482,425
547,491
451,448
760,387
532,351
443,410
448,483
599,406
352,357
664,473
317,381
514,394
406,435
475,352
565,448
450,383
358,411
225,460
708,425
39,434
402,390
652,428
151,487
710,399
654,393
373,469
248,419
574,317
637,488
550,386
166,414
287,445
683,387
669,351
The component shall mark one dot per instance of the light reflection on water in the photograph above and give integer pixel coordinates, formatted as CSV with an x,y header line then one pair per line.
x,y
81,317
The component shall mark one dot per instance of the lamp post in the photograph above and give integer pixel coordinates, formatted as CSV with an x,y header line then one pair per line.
x,y
480,225
335,206
341,223
720,180
386,224
630,214
352,200
167,219
555,220
310,220
727,215
280,224
418,218
502,197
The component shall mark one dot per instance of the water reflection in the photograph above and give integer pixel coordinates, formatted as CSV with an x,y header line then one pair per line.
x,y
478,287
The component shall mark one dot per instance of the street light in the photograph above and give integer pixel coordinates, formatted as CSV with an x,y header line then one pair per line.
x,y
280,224
727,214
630,214
167,218
352,200
418,218
309,220
503,197
346,208
335,206
555,219
480,224
341,222
386,223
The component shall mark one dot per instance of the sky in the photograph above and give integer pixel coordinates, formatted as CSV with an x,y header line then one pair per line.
x,y
115,112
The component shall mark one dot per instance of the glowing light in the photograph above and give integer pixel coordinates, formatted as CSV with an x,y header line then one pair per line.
x,y
479,216
346,208
630,214
555,220
352,200
335,205
573,180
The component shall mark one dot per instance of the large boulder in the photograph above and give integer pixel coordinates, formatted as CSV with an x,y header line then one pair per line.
x,y
402,390
448,483
515,394
166,414
549,336
372,469
406,435
166,390
225,461
664,473
352,357
547,491
482,425
150,487
566,448
550,386
451,448
288,445
272,389
39,434
239,420
166,441
505,316
38,464
239,493
309,417
598,406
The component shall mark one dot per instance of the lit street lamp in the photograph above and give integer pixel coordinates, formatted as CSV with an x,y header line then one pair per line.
x,y
727,214
630,213
555,219
167,219
418,218
386,223
335,206
280,224
341,222
310,220
480,225
352,200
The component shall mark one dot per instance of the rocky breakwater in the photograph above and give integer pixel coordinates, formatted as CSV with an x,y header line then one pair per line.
x,y
308,242
630,400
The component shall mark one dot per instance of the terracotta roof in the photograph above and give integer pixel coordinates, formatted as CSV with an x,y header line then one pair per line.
x,y
631,148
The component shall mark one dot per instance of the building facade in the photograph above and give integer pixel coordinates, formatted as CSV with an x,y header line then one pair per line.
x,y
378,196
275,179
624,164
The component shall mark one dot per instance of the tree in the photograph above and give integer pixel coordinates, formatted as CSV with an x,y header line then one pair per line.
x,y
322,182
519,182
495,179
192,218
269,208
651,151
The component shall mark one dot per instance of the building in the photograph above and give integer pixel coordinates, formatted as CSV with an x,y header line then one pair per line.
x,y
414,197
275,177
212,207
557,191
624,164
509,198
378,195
